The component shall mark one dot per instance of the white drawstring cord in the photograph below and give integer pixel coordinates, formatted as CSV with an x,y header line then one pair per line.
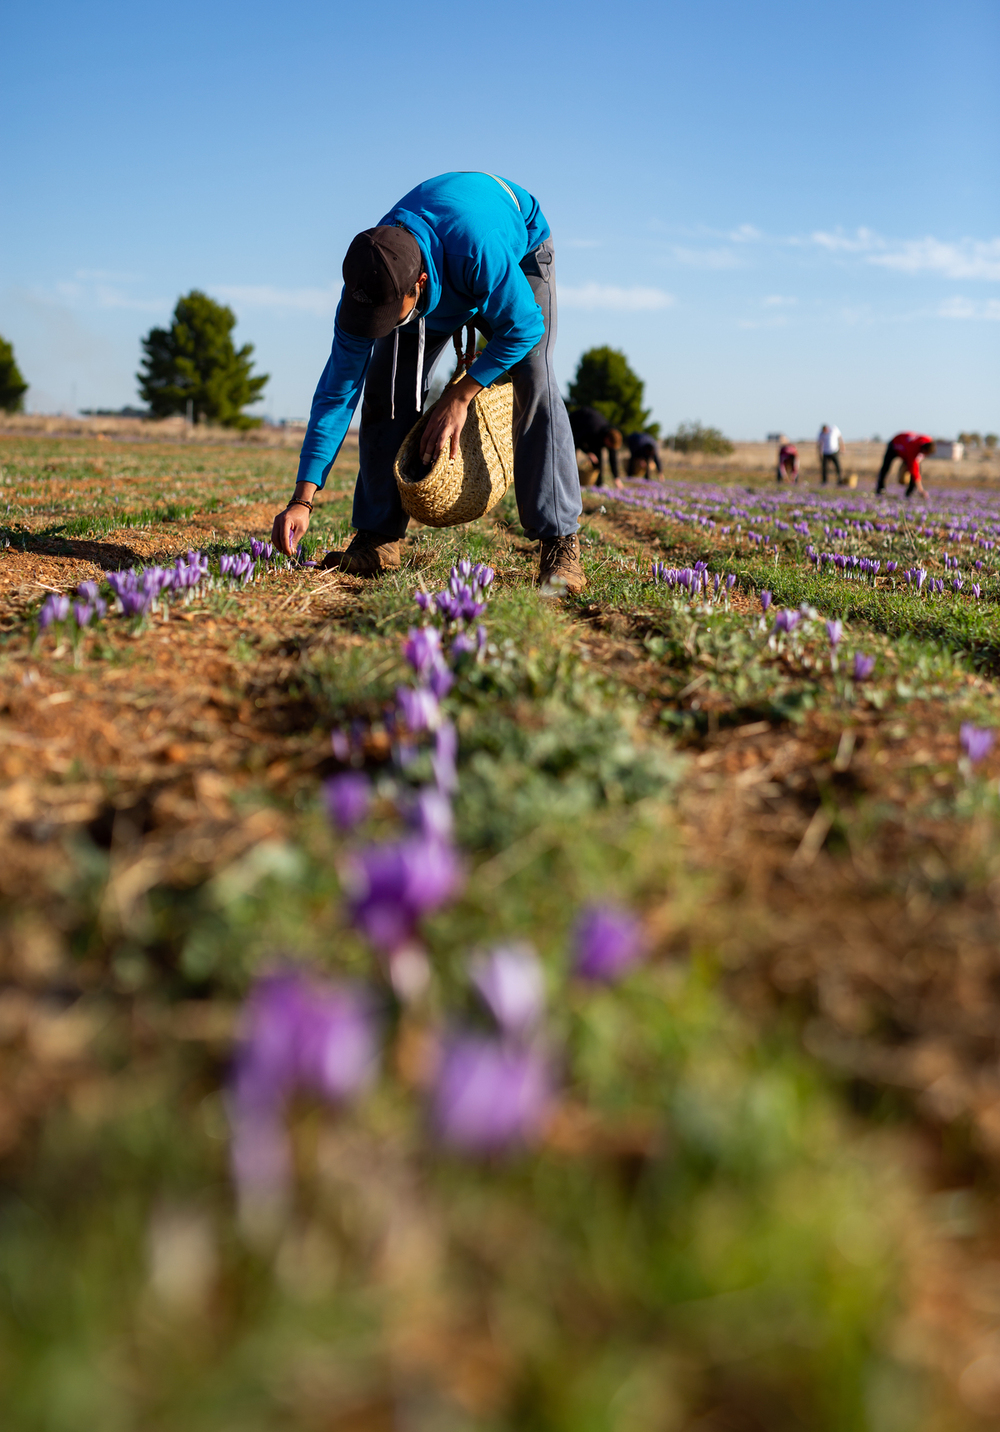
x,y
420,364
392,381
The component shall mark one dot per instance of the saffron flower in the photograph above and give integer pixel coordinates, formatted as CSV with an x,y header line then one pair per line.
x,y
444,757
489,1095
608,941
431,814
418,707
299,1034
390,887
863,666
765,600
348,798
55,608
834,631
977,741
422,649
509,979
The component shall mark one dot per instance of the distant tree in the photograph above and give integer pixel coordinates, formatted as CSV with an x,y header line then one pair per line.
x,y
990,440
12,384
196,361
692,437
605,381
970,440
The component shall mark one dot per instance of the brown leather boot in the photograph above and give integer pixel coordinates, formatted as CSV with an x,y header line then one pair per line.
x,y
559,563
369,555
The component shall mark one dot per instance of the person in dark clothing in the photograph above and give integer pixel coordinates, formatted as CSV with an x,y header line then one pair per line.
x,y
788,463
644,453
592,434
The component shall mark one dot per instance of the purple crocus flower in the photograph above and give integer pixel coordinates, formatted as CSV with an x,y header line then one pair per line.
x,y
444,758
418,707
431,814
977,741
391,886
89,591
299,1033
82,613
765,600
834,631
609,941
512,986
347,798
55,608
730,581
489,1095
440,680
463,645
422,599
863,666
422,649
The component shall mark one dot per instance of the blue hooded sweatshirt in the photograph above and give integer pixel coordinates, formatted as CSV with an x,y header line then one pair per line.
x,y
473,232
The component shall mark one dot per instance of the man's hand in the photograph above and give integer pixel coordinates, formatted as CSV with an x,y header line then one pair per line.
x,y
291,525
444,427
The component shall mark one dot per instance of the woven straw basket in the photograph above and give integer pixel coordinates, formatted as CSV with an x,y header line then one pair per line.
x,y
460,490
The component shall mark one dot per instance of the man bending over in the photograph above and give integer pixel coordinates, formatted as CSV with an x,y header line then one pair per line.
x,y
461,248
910,448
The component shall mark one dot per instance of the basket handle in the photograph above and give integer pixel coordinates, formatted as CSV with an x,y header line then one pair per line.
x,y
466,359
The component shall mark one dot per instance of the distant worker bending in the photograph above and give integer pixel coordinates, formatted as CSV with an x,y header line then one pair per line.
x,y
593,434
909,448
644,454
788,463
828,446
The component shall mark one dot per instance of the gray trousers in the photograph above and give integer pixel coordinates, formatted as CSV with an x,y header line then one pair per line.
x,y
546,479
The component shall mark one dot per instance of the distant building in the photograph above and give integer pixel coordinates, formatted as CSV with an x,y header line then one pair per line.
x,y
776,438
951,452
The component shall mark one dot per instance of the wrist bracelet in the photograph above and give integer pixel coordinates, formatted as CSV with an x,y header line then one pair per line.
x,y
300,502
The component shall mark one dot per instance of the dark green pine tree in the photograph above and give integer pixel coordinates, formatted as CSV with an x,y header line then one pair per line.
x,y
196,361
12,384
605,381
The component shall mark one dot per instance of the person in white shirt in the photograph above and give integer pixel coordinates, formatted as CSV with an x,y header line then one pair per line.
x,y
828,446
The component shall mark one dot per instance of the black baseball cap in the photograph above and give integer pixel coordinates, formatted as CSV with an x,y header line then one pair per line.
x,y
380,268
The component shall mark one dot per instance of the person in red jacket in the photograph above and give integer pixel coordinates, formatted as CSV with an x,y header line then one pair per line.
x,y
910,447
788,463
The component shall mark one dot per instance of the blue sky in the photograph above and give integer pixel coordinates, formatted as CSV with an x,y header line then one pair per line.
x,y
785,214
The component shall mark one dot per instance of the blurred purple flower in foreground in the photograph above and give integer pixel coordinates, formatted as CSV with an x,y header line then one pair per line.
x,y
512,986
834,631
55,608
422,649
977,741
418,707
443,760
431,814
392,886
609,941
299,1034
489,1095
765,600
348,798
863,666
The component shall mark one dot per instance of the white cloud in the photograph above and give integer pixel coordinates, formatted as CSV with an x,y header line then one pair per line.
x,y
745,234
718,258
777,300
967,308
608,296
969,258
321,302
961,258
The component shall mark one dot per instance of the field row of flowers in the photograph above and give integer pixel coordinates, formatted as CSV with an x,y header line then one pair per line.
x,y
495,1067
860,536
142,592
